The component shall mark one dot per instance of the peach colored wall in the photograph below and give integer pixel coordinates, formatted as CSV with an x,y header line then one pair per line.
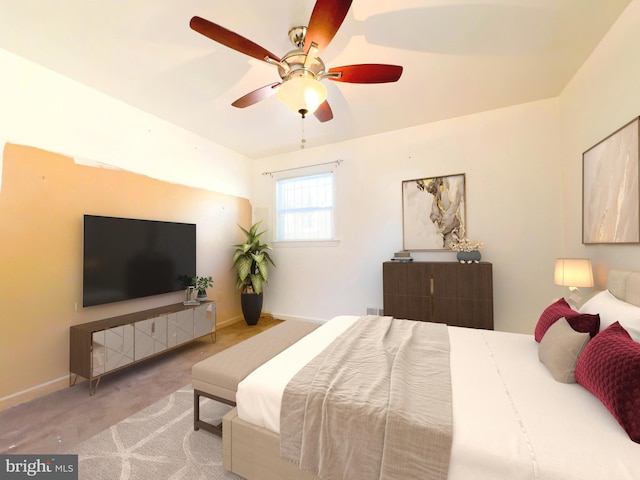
x,y
42,202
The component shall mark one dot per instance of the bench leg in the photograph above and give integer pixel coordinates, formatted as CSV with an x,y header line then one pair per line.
x,y
197,423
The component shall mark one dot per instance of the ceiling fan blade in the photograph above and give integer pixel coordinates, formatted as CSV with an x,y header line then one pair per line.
x,y
324,113
326,18
367,73
230,39
256,96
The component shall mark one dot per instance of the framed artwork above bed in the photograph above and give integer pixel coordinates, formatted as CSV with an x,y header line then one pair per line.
x,y
610,195
433,212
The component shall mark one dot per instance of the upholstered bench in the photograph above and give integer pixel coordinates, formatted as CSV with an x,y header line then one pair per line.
x,y
218,376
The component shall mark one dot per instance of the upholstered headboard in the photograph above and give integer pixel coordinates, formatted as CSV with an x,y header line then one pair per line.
x,y
625,285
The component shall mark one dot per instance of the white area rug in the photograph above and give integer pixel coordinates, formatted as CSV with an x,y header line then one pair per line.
x,y
157,443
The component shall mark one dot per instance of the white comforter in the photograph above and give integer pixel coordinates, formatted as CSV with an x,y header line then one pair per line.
x,y
511,420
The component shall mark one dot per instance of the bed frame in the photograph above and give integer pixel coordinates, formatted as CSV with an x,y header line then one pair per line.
x,y
254,452
625,285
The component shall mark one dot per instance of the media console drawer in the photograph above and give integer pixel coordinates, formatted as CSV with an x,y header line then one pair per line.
x,y
104,346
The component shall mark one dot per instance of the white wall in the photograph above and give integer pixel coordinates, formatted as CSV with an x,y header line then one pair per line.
x,y
513,187
602,97
45,110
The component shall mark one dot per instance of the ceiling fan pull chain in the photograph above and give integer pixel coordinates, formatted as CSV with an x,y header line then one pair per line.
x,y
302,140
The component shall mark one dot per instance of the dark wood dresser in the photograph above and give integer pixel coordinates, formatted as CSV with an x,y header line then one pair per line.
x,y
445,292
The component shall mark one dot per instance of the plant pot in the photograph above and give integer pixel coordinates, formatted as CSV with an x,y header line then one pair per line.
x,y
251,307
469,257
202,296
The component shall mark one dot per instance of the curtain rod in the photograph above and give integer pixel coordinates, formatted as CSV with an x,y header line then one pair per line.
x,y
337,163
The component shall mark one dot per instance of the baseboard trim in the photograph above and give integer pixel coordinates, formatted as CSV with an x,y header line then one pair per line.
x,y
229,321
294,317
33,392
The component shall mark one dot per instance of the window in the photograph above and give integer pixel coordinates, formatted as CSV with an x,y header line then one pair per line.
x,y
305,208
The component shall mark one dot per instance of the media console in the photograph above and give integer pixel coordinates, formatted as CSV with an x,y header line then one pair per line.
x,y
104,346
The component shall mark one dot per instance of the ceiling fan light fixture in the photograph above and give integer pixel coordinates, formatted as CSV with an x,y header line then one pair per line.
x,y
302,94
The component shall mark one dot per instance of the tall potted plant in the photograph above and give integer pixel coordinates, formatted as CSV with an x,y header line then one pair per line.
x,y
251,260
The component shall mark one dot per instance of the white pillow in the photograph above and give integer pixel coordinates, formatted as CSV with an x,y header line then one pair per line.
x,y
611,310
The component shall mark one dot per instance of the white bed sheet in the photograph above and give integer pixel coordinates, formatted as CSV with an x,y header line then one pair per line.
x,y
259,395
511,420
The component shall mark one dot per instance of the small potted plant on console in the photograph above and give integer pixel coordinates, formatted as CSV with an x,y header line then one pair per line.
x,y
201,284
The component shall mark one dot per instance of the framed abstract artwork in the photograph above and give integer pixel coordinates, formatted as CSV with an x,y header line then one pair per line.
x,y
610,195
433,212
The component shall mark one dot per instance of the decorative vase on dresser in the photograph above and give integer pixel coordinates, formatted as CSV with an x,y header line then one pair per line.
x,y
473,256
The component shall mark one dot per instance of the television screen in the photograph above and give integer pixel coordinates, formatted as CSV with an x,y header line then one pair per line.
x,y
126,258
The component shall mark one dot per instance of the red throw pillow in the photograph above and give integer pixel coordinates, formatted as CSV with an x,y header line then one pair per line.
x,y
609,367
580,322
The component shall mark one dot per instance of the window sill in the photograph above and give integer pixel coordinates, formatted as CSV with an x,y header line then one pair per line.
x,y
306,243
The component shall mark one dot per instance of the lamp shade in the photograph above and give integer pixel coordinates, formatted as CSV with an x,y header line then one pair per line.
x,y
573,272
302,94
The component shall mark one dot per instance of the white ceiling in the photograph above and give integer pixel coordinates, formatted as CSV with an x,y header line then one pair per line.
x,y
459,57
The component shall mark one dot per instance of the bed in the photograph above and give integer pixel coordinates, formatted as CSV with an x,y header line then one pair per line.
x,y
517,413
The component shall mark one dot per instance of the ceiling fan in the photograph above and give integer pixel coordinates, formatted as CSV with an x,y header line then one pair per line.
x,y
301,70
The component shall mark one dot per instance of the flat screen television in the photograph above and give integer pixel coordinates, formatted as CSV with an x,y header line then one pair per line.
x,y
125,258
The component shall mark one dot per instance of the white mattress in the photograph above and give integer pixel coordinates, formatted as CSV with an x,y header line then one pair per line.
x,y
511,420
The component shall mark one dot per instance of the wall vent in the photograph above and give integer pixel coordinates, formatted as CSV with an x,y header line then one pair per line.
x,y
375,311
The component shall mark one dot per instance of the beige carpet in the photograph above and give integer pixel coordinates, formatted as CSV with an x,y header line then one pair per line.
x,y
158,442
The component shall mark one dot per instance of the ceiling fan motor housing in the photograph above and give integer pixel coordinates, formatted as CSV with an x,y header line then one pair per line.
x,y
297,63
293,65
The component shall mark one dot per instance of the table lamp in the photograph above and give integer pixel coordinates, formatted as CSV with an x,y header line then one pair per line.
x,y
573,273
